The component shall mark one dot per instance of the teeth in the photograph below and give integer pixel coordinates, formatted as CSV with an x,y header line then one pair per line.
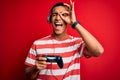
x,y
58,24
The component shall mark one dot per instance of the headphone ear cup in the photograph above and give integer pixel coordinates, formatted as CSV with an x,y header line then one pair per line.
x,y
49,19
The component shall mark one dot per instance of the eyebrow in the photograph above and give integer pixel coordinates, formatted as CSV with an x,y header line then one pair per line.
x,y
60,12
56,12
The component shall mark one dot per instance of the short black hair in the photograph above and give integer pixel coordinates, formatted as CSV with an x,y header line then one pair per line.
x,y
58,4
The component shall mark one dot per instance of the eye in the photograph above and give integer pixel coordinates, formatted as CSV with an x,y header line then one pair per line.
x,y
54,14
65,14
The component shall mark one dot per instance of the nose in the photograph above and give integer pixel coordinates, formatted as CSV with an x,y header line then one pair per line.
x,y
58,17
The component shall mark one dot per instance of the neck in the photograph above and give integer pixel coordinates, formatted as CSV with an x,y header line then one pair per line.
x,y
60,37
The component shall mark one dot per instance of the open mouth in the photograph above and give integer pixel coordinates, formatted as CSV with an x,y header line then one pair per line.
x,y
58,25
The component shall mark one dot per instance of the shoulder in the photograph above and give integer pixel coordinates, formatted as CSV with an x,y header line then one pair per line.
x,y
42,40
74,38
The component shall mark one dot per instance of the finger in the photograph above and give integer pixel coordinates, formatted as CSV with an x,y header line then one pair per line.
x,y
41,59
67,20
42,62
72,5
67,5
41,67
61,17
70,2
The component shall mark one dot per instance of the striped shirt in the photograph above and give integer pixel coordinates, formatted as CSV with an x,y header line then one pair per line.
x,y
70,50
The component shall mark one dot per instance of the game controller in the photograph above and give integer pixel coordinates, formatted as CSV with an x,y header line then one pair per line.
x,y
57,59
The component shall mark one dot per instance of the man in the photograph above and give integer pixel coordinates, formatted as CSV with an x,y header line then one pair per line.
x,y
61,44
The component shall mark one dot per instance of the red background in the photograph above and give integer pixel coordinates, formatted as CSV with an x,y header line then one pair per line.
x,y
23,21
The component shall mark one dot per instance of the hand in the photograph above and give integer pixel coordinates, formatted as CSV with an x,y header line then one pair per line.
x,y
69,17
41,63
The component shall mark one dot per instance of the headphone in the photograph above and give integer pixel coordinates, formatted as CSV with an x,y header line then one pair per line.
x,y
57,4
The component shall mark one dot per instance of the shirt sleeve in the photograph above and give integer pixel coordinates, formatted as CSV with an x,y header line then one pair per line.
x,y
81,48
31,57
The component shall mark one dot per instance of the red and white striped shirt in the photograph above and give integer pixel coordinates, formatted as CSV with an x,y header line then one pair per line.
x,y
70,50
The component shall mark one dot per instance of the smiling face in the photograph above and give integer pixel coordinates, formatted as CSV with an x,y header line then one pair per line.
x,y
59,25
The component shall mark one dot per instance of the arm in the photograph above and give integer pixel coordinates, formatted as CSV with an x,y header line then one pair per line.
x,y
93,47
32,72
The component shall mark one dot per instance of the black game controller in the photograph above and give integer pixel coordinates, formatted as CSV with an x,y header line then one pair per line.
x,y
57,59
